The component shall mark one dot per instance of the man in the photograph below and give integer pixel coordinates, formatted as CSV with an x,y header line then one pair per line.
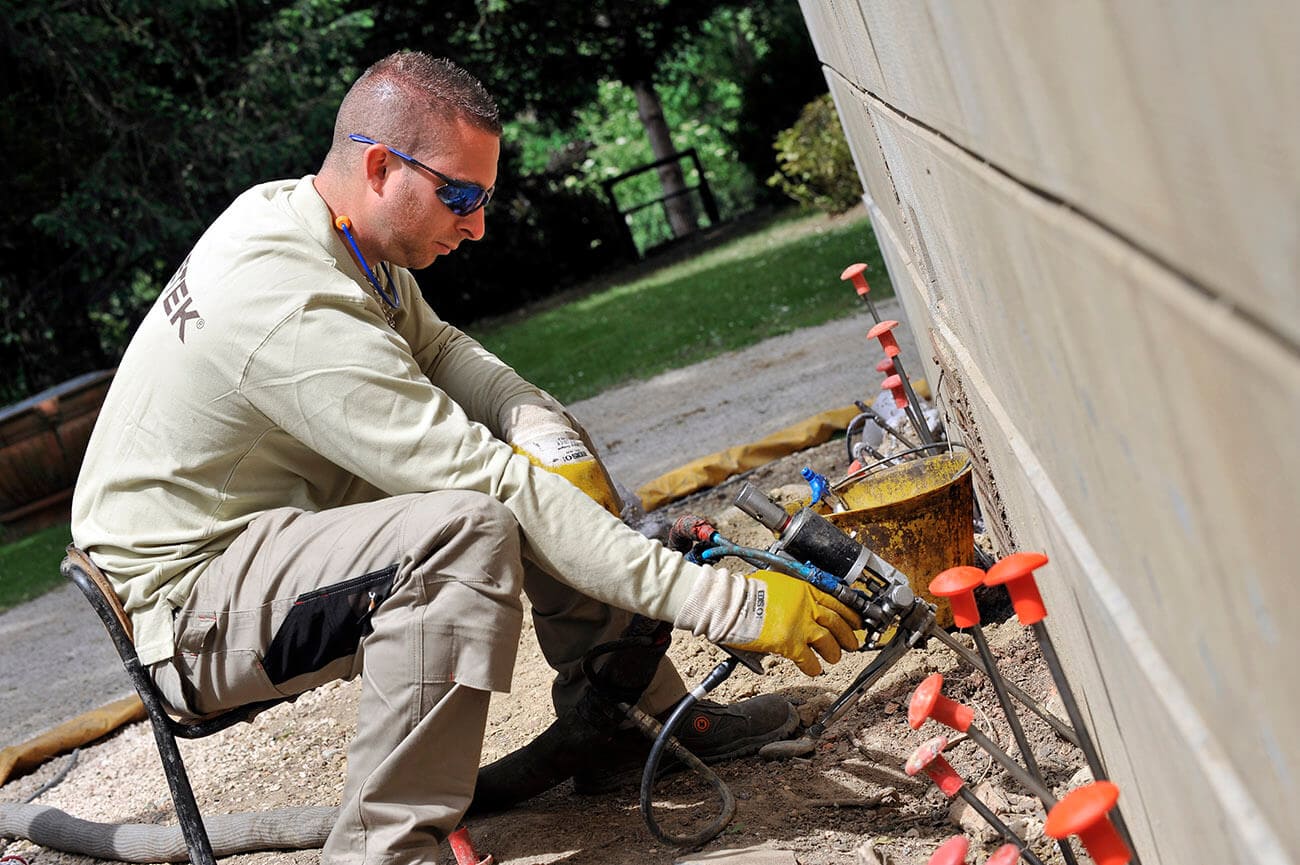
x,y
301,474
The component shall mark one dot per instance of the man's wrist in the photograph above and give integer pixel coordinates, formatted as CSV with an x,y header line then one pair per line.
x,y
723,607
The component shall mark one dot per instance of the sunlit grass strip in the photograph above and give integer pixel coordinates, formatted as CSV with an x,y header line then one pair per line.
x,y
30,567
781,278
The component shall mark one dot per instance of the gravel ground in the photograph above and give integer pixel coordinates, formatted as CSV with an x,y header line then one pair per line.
x,y
58,661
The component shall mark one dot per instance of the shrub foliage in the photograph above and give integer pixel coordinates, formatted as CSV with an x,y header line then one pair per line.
x,y
815,167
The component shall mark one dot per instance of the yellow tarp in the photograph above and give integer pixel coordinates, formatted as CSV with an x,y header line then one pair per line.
x,y
715,468
19,759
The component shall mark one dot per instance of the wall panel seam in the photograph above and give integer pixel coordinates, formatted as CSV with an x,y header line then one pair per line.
x,y
1262,325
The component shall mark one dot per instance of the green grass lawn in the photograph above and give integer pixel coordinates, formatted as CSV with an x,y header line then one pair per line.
x,y
781,278
30,567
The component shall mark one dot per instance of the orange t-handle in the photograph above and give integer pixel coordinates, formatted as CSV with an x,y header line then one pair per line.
x,y
951,852
1016,572
1007,854
929,758
854,272
958,586
886,366
884,332
894,384
463,849
928,701
1083,812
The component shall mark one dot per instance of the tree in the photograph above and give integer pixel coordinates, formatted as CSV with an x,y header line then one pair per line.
x,y
548,58
128,125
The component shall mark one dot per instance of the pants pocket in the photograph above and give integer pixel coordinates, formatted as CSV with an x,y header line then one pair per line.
x,y
325,625
214,675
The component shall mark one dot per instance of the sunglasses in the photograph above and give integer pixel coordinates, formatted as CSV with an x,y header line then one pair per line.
x,y
461,196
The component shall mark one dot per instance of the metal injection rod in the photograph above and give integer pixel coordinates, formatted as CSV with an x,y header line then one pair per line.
x,y
883,331
928,702
958,586
1061,728
929,759
854,273
1016,572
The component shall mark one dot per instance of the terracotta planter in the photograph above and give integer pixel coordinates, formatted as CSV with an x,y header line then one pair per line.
x,y
42,442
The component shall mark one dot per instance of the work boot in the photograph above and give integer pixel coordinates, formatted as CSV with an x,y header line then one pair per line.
x,y
711,731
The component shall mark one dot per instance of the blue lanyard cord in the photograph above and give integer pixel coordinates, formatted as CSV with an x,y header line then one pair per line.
x,y
344,225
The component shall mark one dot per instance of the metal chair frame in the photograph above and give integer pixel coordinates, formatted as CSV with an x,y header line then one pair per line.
x,y
92,582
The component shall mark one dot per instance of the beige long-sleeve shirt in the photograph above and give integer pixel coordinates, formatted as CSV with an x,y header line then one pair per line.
x,y
266,376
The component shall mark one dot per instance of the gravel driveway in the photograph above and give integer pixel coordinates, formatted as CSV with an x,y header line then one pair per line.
x,y
58,662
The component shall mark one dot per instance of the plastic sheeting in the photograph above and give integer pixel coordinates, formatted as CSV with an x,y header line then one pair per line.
x,y
20,759
711,470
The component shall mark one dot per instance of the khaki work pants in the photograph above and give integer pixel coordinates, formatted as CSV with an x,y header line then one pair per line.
x,y
420,594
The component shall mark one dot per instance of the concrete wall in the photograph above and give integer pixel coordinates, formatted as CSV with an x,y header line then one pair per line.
x,y
1091,212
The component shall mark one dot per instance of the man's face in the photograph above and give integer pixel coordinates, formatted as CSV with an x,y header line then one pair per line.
x,y
420,226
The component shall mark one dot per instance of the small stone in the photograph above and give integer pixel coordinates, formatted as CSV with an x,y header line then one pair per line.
x,y
892,708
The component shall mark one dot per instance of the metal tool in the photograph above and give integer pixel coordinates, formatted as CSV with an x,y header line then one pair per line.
x,y
1062,729
958,586
810,547
929,758
1083,812
883,331
1016,572
929,702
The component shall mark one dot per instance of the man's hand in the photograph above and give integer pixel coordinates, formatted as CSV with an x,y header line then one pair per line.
x,y
794,620
564,454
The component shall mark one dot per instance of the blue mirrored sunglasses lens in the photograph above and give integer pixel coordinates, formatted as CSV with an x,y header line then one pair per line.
x,y
462,198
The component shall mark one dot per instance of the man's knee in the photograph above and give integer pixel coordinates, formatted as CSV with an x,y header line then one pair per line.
x,y
461,578
461,532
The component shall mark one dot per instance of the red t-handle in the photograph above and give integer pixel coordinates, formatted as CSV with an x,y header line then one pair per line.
x,y
958,586
928,701
894,384
1007,854
951,852
1083,812
929,758
854,272
886,366
463,849
883,331
1016,572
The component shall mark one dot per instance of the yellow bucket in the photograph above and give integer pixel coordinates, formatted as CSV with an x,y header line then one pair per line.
x,y
918,516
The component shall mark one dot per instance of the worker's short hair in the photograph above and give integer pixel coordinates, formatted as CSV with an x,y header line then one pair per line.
x,y
394,100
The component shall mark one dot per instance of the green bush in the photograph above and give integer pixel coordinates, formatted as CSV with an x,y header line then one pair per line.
x,y
815,167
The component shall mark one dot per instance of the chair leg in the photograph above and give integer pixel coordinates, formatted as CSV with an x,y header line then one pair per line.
x,y
178,780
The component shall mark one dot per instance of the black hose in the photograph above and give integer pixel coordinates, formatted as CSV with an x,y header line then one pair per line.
x,y
583,735
665,741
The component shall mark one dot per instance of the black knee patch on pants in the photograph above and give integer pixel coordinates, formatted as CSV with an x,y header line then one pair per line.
x,y
326,624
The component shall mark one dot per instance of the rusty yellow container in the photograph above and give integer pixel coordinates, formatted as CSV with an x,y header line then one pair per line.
x,y
918,516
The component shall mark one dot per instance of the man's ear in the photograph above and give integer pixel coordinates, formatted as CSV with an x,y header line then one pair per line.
x,y
376,162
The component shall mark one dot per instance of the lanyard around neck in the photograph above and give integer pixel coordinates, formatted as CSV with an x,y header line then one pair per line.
x,y
344,225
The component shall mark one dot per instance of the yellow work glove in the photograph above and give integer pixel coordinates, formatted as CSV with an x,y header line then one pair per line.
x,y
564,454
794,619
